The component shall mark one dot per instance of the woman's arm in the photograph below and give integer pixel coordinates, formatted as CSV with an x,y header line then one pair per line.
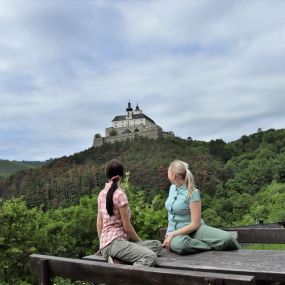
x,y
99,224
128,228
195,212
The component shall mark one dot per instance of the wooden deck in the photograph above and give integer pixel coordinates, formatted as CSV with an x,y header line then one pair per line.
x,y
240,267
47,267
265,265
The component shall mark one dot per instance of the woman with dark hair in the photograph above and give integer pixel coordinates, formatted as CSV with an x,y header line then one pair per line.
x,y
114,226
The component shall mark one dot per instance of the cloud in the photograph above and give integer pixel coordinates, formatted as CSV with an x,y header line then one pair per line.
x,y
205,69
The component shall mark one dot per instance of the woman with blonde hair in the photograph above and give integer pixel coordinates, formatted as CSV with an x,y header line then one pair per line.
x,y
186,231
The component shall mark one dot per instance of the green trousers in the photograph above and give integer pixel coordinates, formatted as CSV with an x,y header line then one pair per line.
x,y
205,238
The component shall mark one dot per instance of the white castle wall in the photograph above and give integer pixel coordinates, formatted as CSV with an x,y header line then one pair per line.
x,y
153,132
128,128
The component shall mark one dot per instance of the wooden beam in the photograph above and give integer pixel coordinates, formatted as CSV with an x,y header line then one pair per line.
x,y
44,275
111,274
260,235
251,235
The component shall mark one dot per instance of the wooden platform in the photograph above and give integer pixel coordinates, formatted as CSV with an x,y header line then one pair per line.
x,y
264,265
47,267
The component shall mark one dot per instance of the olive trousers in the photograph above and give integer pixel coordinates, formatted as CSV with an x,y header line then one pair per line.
x,y
138,253
205,238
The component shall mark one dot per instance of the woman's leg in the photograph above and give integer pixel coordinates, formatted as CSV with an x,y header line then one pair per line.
x,y
216,238
184,244
130,252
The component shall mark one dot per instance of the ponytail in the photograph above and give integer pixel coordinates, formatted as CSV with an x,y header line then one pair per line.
x,y
109,198
189,181
114,171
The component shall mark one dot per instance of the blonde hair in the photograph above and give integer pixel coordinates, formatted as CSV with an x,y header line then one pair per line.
x,y
181,169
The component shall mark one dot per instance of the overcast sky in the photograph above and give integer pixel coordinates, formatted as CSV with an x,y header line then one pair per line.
x,y
205,69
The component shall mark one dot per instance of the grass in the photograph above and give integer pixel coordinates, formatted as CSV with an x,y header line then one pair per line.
x,y
262,246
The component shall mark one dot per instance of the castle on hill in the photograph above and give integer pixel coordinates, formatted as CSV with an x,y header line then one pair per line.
x,y
133,123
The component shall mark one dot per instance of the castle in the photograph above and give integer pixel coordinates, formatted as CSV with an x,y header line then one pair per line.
x,y
133,123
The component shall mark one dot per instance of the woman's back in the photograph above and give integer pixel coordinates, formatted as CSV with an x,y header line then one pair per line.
x,y
112,225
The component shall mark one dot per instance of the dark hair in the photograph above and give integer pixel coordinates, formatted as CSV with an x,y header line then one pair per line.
x,y
114,170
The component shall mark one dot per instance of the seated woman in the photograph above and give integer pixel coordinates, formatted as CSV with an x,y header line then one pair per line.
x,y
186,231
114,227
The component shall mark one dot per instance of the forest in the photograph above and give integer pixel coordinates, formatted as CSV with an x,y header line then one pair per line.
x,y
52,209
8,167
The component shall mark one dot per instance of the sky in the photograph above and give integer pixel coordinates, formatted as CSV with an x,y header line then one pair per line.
x,y
202,69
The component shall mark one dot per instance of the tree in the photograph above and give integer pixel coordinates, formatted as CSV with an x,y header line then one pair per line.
x,y
113,132
17,228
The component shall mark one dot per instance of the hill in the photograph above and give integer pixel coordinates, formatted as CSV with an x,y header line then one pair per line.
x,y
229,175
9,167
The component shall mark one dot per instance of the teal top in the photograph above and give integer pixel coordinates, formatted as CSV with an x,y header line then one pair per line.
x,y
177,205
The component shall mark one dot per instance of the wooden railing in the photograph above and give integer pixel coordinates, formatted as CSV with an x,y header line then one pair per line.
x,y
261,233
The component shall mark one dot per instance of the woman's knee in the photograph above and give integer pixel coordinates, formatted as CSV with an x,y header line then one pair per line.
x,y
153,259
180,244
157,246
149,259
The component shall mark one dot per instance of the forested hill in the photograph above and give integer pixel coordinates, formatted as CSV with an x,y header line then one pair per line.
x,y
223,172
9,167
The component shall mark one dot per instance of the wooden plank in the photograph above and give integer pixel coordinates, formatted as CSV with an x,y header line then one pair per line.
x,y
111,274
262,225
260,235
162,233
263,264
251,235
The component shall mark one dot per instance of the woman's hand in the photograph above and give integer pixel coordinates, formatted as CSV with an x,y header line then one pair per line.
x,y
166,242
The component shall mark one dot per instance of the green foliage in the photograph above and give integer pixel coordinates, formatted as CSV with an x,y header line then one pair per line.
x,y
9,167
113,132
63,181
69,232
147,218
220,149
240,182
261,246
62,281
268,205
18,225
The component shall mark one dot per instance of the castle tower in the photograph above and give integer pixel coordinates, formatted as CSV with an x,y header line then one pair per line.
x,y
129,111
137,110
